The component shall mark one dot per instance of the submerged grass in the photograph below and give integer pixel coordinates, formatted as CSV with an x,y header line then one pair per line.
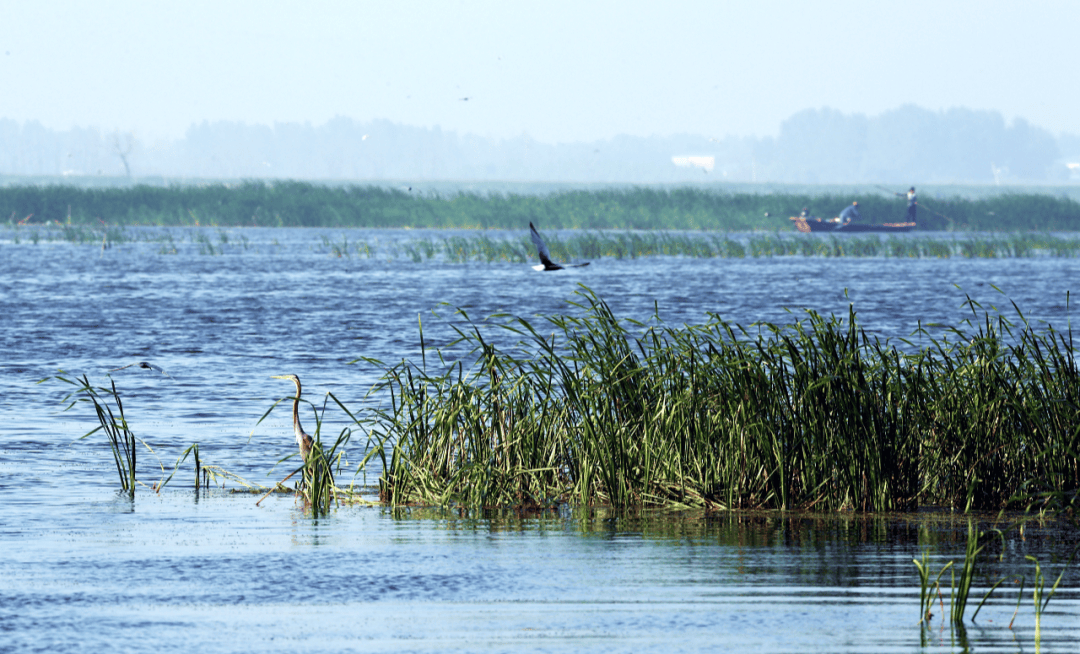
x,y
635,245
817,414
588,245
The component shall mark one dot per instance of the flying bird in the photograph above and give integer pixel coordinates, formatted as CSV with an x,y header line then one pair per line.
x,y
545,256
144,365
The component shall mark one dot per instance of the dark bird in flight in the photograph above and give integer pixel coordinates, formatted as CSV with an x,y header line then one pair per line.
x,y
144,365
545,256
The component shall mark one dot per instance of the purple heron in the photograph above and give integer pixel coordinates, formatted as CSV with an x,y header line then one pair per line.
x,y
304,441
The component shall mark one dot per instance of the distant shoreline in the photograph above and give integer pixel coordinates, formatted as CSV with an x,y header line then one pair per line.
x,y
511,205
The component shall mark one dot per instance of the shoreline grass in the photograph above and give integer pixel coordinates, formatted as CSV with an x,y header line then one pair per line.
x,y
295,203
588,245
635,245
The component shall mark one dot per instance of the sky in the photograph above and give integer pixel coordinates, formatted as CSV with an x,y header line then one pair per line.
x,y
555,71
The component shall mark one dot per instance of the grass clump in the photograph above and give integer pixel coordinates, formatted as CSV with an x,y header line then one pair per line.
x,y
817,414
635,245
118,433
293,203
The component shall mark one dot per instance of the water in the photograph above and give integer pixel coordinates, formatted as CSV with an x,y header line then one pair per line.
x,y
210,571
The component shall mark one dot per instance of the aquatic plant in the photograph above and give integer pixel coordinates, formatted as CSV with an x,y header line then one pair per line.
x,y
293,203
121,439
319,490
592,245
1039,595
927,587
958,599
618,245
816,414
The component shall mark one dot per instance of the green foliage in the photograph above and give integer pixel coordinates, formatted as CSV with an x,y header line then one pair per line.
x,y
927,587
816,414
121,439
292,203
634,245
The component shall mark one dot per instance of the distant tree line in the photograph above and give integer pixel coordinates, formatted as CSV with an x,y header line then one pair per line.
x,y
905,145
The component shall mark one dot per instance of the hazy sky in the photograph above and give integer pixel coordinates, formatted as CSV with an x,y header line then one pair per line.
x,y
557,71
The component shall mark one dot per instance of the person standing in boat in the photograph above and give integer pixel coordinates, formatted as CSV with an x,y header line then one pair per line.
x,y
912,203
849,214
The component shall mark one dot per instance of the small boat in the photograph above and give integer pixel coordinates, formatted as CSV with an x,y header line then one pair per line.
x,y
808,225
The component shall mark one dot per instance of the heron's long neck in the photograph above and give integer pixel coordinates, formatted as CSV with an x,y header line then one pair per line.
x,y
297,429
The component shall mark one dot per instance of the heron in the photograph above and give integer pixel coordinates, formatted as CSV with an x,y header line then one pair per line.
x,y
545,257
314,473
144,365
303,440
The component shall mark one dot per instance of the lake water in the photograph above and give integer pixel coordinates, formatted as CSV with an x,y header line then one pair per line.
x,y
86,567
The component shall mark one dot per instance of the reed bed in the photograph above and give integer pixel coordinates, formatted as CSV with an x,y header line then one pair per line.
x,y
586,244
293,203
635,245
813,415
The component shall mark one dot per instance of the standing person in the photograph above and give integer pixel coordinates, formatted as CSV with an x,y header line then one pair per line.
x,y
849,214
912,203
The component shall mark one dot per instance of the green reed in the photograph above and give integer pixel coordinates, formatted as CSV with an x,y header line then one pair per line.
x,y
631,245
592,244
292,203
122,440
927,587
1039,595
816,414
958,599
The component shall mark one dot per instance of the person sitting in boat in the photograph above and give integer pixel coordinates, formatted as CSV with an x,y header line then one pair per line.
x,y
805,214
849,214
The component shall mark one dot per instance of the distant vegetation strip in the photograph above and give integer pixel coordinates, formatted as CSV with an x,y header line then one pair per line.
x,y
301,204
587,245
812,415
633,245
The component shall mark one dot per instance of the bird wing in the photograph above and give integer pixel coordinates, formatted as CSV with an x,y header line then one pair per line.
x,y
141,364
151,366
541,249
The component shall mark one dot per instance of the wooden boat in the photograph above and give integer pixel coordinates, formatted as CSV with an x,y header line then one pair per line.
x,y
808,225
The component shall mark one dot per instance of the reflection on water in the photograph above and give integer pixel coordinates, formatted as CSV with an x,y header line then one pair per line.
x,y
84,567
217,574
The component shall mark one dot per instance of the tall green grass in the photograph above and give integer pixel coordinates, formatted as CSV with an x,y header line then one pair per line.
x,y
812,415
635,245
118,433
291,203
587,245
